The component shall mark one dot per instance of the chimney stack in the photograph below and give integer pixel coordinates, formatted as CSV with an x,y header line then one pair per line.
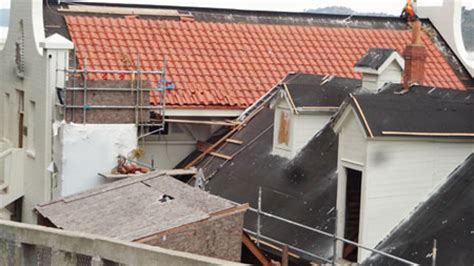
x,y
415,57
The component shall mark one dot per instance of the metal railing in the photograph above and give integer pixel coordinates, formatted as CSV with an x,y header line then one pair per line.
x,y
334,236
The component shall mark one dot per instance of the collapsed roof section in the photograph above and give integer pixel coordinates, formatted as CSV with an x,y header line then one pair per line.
x,y
228,58
446,216
421,112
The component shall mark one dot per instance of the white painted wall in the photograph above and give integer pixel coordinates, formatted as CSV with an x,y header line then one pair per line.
x,y
402,173
393,73
302,128
89,149
37,187
166,151
447,20
397,175
352,153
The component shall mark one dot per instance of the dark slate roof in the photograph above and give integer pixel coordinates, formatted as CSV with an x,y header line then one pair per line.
x,y
422,110
446,216
374,58
130,209
310,90
302,189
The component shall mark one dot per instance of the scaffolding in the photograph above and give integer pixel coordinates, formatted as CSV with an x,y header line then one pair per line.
x,y
258,236
87,90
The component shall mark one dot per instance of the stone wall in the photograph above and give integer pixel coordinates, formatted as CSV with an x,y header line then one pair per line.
x,y
218,236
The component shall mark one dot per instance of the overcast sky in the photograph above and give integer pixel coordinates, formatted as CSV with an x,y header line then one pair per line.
x,y
387,6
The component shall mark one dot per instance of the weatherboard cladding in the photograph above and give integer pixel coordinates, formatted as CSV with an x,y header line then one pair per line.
x,y
229,64
421,110
101,210
446,216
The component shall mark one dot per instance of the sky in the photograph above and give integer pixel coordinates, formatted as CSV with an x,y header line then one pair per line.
x,y
392,7
386,6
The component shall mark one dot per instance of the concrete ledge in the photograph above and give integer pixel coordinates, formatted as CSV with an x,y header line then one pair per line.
x,y
99,247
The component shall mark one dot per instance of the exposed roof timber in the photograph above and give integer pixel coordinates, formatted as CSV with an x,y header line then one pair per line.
x,y
366,124
203,112
290,99
123,11
426,134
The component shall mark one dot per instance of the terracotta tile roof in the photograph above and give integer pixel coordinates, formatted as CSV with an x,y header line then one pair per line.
x,y
229,65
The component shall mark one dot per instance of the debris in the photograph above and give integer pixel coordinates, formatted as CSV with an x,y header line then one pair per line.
x,y
124,167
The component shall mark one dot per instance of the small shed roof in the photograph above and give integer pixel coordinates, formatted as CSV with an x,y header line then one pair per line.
x,y
134,208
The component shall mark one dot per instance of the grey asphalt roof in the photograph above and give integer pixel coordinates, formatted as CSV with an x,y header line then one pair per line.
x,y
130,209
374,58
422,110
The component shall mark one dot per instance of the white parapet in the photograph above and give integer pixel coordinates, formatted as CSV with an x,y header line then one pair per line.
x,y
89,149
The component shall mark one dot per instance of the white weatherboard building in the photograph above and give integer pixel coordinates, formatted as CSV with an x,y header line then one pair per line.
x,y
391,174
397,144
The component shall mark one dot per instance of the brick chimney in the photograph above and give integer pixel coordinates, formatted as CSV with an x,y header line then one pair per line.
x,y
415,57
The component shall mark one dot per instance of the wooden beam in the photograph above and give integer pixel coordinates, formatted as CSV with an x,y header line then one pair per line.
x,y
427,134
228,135
190,171
274,247
200,122
255,250
234,141
362,115
284,256
220,155
202,146
293,106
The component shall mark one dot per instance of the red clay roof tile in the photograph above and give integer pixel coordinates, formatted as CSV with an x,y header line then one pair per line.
x,y
227,65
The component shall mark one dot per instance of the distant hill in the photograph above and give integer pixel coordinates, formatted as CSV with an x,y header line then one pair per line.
x,y
4,15
467,20
468,28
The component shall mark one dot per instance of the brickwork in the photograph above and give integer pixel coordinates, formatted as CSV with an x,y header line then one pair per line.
x,y
124,96
415,58
219,237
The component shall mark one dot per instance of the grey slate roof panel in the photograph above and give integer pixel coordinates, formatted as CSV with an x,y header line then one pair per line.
x,y
423,109
130,209
302,189
374,58
446,216
310,90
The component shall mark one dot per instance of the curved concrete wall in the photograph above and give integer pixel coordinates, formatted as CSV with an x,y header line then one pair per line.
x,y
447,20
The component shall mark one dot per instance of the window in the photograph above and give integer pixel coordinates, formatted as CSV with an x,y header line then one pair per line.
x,y
6,114
30,130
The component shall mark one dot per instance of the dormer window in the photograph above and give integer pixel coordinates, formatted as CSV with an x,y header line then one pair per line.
x,y
303,107
378,67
